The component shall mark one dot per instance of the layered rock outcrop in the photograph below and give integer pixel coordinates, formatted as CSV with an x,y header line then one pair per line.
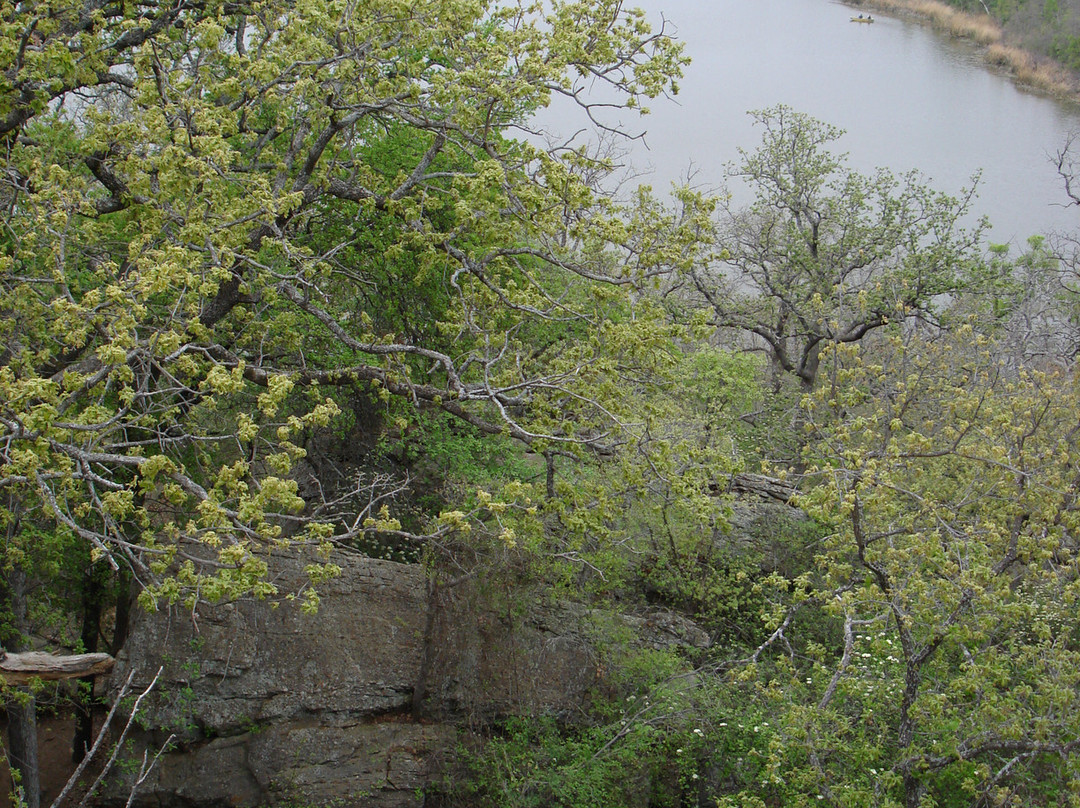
x,y
361,704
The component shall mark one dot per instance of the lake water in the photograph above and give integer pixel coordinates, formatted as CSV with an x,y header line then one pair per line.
x,y
908,98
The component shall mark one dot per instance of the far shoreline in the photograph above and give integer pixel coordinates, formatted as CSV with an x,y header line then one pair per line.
x,y
1036,72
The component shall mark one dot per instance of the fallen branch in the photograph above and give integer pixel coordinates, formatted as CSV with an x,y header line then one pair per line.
x,y
20,669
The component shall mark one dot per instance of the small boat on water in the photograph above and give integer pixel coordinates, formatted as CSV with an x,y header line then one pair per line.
x,y
861,18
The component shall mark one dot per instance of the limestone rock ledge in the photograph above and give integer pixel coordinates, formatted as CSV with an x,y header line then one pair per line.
x,y
383,764
359,705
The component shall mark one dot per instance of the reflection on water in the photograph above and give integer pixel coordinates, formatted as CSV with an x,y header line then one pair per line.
x,y
907,97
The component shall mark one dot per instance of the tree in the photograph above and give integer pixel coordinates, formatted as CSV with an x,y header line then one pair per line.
x,y
948,480
1035,310
825,255
225,223
175,319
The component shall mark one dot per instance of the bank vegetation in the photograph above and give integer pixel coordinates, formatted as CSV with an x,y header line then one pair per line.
x,y
1036,43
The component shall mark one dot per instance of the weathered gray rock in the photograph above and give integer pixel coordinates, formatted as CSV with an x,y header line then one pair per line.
x,y
272,705
776,535
228,668
382,765
360,704
489,663
662,630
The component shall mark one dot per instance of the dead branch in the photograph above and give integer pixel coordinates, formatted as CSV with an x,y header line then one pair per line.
x,y
20,669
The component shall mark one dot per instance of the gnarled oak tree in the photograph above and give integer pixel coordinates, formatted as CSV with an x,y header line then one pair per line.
x,y
824,255
215,213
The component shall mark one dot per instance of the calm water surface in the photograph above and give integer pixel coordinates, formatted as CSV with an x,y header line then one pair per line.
x,y
907,97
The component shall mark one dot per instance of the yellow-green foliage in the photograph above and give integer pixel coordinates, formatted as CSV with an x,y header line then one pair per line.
x,y
217,218
946,478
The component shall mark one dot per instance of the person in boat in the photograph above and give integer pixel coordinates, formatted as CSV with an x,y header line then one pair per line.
x,y
860,16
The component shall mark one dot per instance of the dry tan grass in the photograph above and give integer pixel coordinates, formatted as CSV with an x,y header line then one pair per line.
x,y
1028,70
1000,55
979,28
1025,69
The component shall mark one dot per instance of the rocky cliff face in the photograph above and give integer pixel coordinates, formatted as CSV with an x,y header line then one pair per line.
x,y
361,704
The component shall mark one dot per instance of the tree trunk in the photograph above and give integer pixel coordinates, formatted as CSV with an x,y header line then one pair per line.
x,y
23,748
914,788
92,596
124,602
22,745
